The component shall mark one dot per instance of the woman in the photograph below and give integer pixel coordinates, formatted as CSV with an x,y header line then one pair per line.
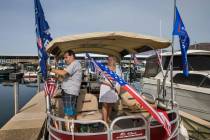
x,y
109,90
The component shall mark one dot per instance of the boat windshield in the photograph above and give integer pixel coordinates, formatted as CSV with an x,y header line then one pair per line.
x,y
197,80
194,62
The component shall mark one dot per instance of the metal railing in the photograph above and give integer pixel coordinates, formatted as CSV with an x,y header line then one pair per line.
x,y
124,127
61,122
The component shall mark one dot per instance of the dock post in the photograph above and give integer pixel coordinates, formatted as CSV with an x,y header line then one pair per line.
x,y
16,77
22,68
16,96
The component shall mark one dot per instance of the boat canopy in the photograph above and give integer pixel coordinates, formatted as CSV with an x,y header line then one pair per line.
x,y
110,43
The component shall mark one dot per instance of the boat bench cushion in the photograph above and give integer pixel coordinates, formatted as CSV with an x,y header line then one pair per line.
x,y
129,102
87,102
87,107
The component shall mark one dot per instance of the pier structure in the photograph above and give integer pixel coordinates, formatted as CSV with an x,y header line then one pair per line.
x,y
28,123
6,59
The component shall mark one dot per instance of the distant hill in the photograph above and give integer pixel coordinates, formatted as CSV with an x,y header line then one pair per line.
x,y
200,46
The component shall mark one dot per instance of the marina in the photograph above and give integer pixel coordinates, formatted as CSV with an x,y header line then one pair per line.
x,y
7,107
128,70
25,87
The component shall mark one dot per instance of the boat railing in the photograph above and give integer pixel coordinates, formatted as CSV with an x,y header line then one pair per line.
x,y
138,128
149,97
156,128
167,103
134,126
123,127
57,130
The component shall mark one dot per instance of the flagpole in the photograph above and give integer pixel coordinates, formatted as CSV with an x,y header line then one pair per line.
x,y
161,36
159,54
172,62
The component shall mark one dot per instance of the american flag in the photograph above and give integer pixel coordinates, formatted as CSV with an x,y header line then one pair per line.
x,y
50,87
94,69
97,70
155,114
108,77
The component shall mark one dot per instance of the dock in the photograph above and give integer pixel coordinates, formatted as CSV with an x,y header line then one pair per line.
x,y
28,123
196,127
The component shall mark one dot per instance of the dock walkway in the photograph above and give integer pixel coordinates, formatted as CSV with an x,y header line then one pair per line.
x,y
28,123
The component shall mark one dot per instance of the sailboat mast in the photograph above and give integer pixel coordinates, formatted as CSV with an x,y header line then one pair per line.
x,y
172,55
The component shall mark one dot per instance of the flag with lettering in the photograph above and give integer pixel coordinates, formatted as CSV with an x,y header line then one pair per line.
x,y
42,36
155,114
179,29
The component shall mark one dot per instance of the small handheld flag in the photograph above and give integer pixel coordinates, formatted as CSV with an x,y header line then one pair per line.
x,y
179,29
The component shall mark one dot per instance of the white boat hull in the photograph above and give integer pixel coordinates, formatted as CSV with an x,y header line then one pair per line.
x,y
195,102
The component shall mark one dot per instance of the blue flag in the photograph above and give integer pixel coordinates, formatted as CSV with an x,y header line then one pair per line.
x,y
42,36
179,29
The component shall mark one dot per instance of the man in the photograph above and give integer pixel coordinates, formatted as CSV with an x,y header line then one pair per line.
x,y
72,77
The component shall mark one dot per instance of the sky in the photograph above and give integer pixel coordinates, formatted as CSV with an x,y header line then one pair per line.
x,y
68,17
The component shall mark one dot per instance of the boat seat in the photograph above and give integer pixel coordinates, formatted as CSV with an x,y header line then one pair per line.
x,y
87,107
118,105
130,103
143,113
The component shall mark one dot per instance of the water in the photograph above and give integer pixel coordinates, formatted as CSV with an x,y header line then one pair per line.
x,y
26,92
